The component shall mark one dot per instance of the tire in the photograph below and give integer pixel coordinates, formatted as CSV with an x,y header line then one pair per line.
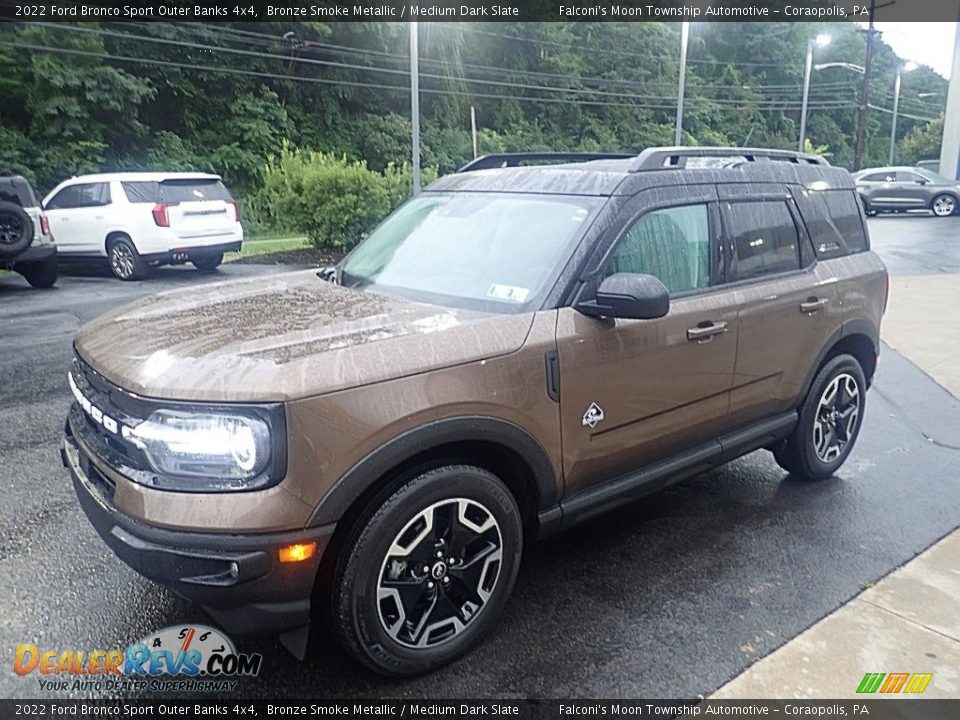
x,y
16,230
391,633
867,209
40,274
944,205
125,261
829,421
207,263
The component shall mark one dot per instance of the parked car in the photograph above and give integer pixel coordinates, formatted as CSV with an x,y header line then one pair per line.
x,y
932,165
26,245
898,189
513,351
141,219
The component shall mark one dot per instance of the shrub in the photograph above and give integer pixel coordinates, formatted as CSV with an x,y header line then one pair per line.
x,y
334,201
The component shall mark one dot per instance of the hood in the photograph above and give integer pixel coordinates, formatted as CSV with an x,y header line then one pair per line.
x,y
283,337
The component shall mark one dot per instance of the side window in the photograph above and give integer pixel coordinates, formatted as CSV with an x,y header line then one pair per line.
x,y
142,192
878,177
909,177
765,238
66,198
672,244
833,221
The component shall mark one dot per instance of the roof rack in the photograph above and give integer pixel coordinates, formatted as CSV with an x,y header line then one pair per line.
x,y
665,158
501,160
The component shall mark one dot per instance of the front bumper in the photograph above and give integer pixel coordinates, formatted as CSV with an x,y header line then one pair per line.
x,y
238,579
185,253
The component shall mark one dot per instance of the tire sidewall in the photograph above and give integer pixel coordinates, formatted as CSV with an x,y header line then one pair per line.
x,y
26,230
381,651
837,365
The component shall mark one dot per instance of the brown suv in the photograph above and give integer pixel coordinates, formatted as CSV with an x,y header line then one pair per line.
x,y
515,350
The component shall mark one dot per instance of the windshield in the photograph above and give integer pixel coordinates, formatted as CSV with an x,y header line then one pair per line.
x,y
495,252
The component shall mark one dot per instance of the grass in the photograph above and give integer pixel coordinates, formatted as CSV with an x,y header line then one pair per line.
x,y
263,247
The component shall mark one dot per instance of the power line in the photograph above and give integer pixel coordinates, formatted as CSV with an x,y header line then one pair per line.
x,y
350,83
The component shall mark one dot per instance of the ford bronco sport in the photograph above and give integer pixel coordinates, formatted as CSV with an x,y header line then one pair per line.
x,y
513,351
26,245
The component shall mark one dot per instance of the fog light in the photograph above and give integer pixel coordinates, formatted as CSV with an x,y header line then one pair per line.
x,y
298,552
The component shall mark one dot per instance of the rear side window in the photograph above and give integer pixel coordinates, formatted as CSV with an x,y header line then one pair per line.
x,y
175,191
833,220
672,244
142,192
81,196
878,177
765,238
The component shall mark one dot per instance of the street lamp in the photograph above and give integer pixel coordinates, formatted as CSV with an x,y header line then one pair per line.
x,y
819,41
896,107
415,106
684,33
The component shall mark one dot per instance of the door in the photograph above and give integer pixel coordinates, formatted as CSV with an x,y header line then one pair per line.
x,y
637,391
78,217
788,307
913,189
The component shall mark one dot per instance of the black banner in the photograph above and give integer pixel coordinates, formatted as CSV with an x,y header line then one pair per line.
x,y
484,10
871,708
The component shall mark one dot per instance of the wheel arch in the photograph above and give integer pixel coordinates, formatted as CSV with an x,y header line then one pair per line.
x,y
112,236
500,446
857,337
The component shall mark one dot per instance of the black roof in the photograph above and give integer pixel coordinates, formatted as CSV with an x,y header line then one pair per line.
x,y
655,167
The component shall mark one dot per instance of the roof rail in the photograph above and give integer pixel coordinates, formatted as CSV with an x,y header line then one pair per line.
x,y
500,160
665,158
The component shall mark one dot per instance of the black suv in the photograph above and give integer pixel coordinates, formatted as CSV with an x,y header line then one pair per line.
x,y
26,245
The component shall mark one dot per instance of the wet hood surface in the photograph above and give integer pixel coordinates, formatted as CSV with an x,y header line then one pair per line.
x,y
284,337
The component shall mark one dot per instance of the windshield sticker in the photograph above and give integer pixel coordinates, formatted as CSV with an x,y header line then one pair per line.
x,y
508,292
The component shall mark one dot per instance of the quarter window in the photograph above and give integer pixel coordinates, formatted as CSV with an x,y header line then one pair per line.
x,y
672,244
765,238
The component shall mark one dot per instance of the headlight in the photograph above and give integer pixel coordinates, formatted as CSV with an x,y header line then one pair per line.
x,y
213,446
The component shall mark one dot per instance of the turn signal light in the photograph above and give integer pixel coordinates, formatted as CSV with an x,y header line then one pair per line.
x,y
297,552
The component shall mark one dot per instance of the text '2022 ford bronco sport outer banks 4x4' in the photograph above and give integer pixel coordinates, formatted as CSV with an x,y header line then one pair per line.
x,y
515,350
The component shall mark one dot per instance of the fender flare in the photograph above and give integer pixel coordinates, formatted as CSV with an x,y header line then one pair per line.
x,y
365,473
856,326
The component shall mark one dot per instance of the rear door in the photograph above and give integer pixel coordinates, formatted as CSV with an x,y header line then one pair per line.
x,y
199,208
637,391
787,306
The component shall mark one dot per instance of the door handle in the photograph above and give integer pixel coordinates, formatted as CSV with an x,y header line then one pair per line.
x,y
814,304
705,331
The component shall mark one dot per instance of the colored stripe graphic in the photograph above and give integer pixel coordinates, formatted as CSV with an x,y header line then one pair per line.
x,y
894,682
918,682
870,683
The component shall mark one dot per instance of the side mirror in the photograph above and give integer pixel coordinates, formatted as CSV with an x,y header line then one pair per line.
x,y
628,295
922,181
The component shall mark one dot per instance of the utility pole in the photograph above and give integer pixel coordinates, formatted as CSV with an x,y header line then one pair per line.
x,y
415,106
684,32
473,130
865,91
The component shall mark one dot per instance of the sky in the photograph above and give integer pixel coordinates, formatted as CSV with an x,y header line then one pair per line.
x,y
926,43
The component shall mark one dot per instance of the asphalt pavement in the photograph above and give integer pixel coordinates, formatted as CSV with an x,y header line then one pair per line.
x,y
670,597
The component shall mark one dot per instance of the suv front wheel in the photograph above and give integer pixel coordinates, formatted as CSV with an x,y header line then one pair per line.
x,y
429,572
830,420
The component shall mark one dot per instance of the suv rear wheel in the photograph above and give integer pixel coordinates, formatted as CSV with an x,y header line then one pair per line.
x,y
830,420
944,205
429,572
207,263
16,230
125,261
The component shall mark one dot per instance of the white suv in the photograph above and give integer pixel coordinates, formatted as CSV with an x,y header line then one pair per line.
x,y
141,219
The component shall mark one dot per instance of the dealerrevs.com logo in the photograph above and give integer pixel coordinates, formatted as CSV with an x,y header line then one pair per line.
x,y
192,658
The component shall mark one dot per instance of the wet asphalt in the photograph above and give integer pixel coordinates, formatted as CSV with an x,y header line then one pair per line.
x,y
669,597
